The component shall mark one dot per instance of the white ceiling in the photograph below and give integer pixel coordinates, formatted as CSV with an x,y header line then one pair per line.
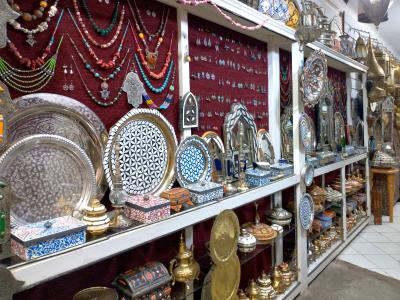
x,y
390,30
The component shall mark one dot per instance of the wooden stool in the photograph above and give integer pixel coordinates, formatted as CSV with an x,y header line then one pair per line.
x,y
390,174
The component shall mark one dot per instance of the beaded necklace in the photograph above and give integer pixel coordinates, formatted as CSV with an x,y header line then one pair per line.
x,y
161,27
100,62
145,64
100,31
89,36
30,16
147,81
151,56
39,61
105,93
43,26
92,96
29,81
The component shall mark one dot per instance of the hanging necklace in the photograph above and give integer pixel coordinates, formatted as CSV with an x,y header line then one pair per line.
x,y
167,100
43,26
147,81
105,93
151,56
93,97
30,16
39,61
89,36
100,31
29,81
161,27
100,63
145,64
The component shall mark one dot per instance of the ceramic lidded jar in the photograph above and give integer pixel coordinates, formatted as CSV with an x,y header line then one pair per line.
x,y
265,285
279,216
247,242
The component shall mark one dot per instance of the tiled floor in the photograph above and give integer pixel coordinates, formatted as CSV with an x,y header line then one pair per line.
x,y
377,247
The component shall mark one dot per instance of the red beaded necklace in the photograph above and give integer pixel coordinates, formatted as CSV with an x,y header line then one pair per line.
x,y
144,61
100,62
89,36
34,63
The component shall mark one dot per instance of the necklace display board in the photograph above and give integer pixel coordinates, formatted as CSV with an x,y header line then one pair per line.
x,y
226,67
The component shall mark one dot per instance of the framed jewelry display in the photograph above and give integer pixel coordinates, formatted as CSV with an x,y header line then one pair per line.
x,y
64,189
147,149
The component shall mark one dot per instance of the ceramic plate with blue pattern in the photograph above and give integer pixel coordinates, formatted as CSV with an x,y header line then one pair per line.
x,y
306,211
193,161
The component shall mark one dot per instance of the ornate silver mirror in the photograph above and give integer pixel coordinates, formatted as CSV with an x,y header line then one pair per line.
x,y
217,149
287,134
189,111
388,120
325,123
265,151
340,133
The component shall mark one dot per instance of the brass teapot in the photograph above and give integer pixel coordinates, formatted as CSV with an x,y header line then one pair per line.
x,y
183,267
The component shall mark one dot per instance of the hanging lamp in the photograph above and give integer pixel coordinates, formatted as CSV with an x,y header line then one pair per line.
x,y
360,51
373,11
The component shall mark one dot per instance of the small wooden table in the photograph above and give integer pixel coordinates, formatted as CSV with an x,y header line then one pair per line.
x,y
390,174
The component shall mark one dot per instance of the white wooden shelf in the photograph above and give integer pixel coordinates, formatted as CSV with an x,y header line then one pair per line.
x,y
338,165
47,268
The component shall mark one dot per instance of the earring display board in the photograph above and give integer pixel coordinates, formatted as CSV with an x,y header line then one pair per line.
x,y
71,85
226,67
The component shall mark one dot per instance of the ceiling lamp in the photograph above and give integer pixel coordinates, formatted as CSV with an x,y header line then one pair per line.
x,y
373,11
360,50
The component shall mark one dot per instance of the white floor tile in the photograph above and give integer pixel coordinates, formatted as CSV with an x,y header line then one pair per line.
x,y
370,228
374,237
380,271
396,227
381,228
366,248
395,273
383,261
396,257
393,236
389,248
350,250
359,239
358,260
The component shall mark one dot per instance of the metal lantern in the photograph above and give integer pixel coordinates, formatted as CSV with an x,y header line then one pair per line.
x,y
373,11
308,29
361,51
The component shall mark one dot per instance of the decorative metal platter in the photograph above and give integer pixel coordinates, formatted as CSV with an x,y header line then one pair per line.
x,y
50,176
225,279
306,211
314,78
339,128
193,161
224,237
147,147
50,118
307,133
307,174
265,148
67,102
217,149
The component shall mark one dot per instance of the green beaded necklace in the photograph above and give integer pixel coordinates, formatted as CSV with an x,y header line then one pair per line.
x,y
101,31
29,81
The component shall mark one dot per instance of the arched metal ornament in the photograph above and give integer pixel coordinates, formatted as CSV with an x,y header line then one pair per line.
x,y
189,111
314,78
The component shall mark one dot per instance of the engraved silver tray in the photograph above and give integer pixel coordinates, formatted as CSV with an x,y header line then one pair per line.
x,y
49,175
193,161
147,147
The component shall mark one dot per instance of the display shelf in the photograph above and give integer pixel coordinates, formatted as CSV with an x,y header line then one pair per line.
x,y
327,206
324,260
340,164
359,224
291,292
49,267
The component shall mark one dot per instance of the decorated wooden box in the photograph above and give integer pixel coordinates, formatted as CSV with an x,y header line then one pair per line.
x,y
257,177
147,209
282,168
151,281
205,191
46,237
177,198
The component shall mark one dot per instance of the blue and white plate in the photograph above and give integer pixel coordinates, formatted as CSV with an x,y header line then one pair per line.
x,y
306,211
307,133
193,161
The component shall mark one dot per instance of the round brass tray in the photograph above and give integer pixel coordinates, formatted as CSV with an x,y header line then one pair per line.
x,y
225,280
92,293
224,237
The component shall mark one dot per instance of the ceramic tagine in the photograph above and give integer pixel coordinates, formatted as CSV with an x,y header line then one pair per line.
x,y
253,291
263,233
265,285
183,267
278,216
247,242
